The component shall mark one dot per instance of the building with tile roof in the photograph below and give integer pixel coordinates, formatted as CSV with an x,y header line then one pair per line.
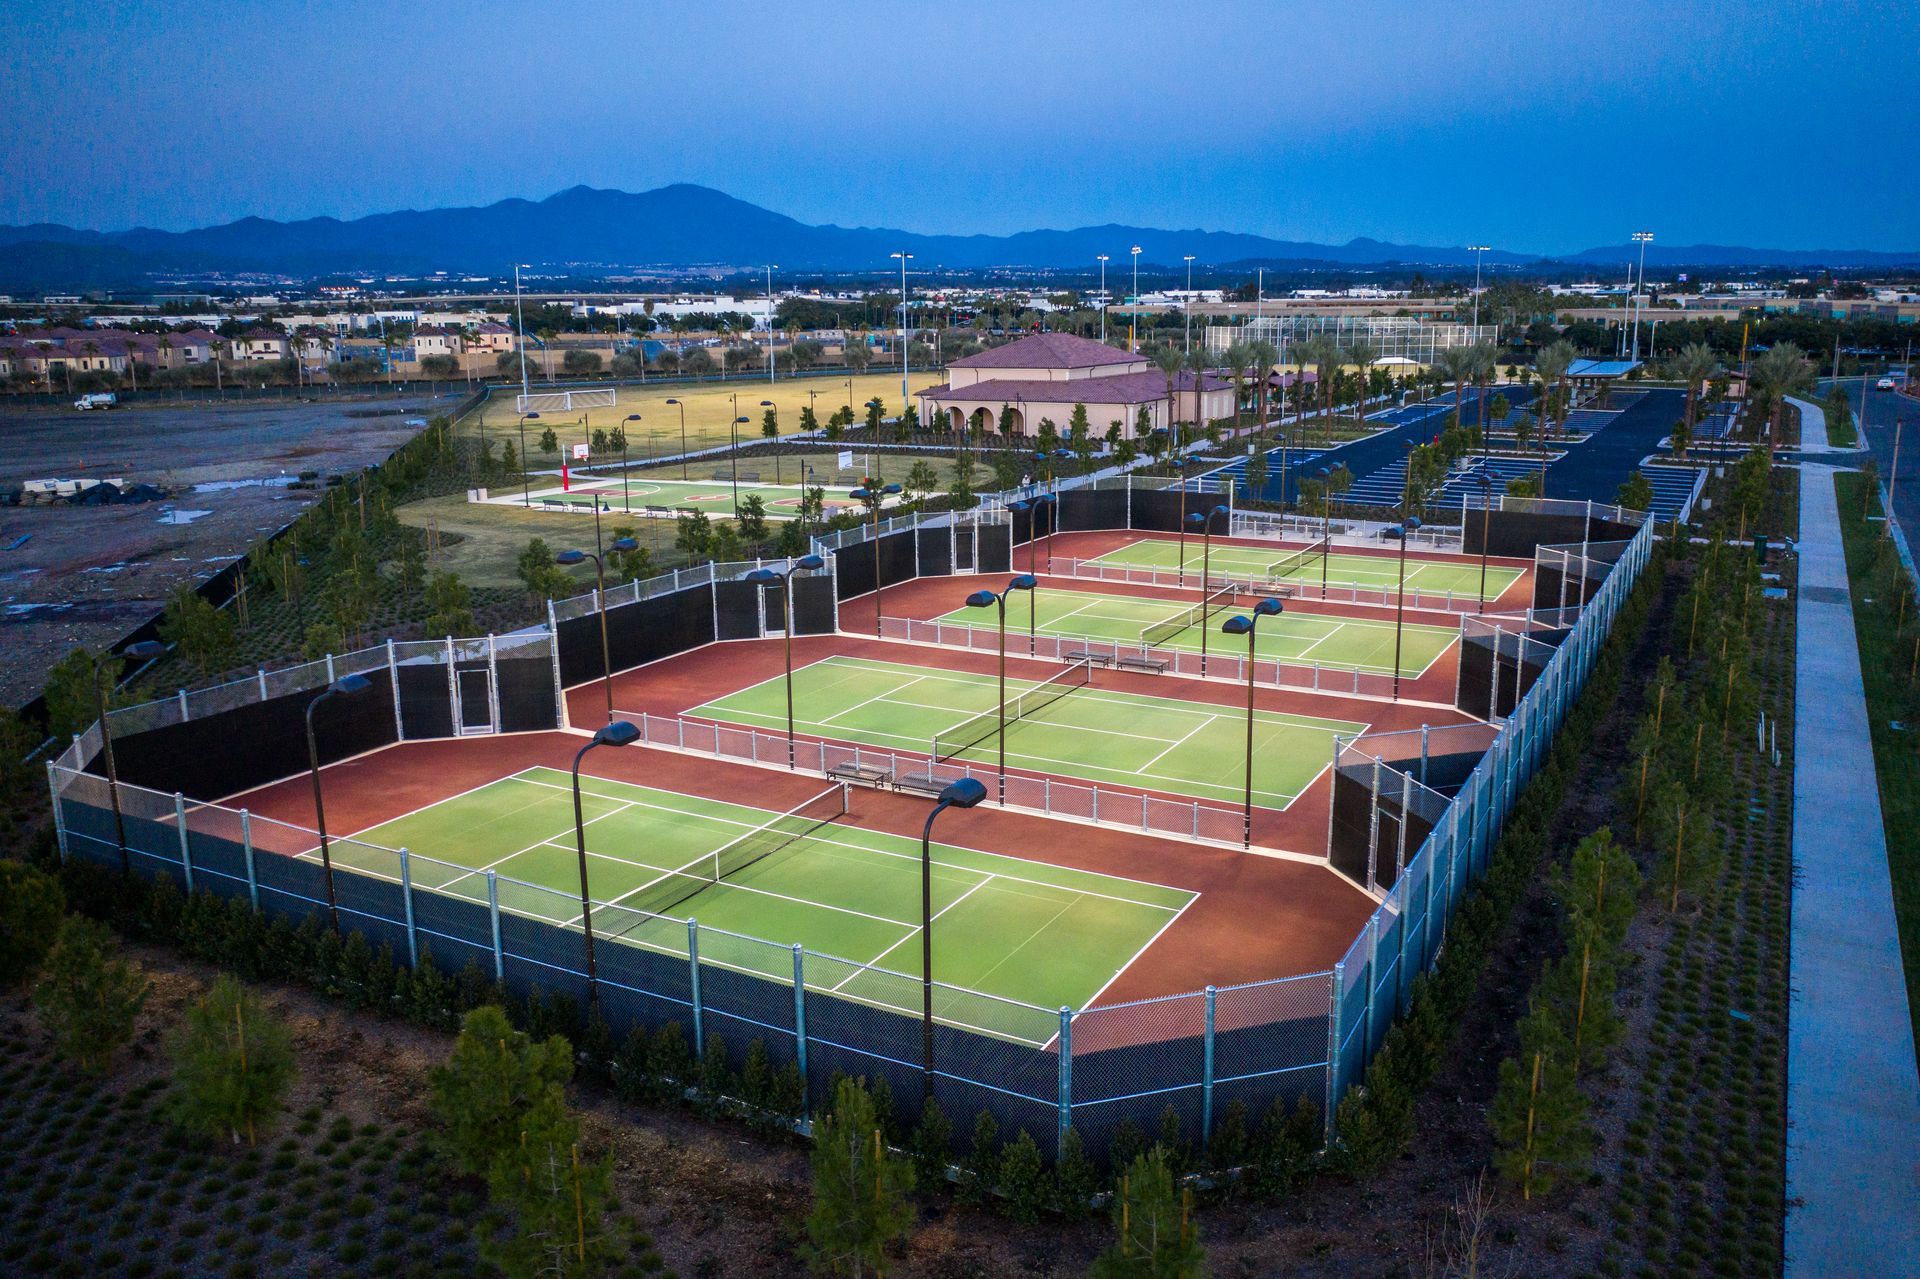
x,y
1043,377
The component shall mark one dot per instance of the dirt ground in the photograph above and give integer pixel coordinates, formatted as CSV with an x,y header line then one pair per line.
x,y
88,575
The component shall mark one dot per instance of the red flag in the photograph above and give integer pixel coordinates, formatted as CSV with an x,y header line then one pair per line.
x,y
566,484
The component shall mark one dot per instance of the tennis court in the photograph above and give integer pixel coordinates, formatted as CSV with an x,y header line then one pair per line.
x,y
715,497
1285,564
1007,928
1296,636
1068,728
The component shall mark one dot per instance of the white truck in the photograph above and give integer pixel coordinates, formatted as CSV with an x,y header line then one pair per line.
x,y
99,400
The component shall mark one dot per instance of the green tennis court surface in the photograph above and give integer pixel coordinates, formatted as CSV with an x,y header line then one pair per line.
x,y
1007,928
1153,743
1343,569
1342,643
715,497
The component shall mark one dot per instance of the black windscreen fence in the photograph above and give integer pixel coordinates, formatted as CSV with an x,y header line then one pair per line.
x,y
425,706
1520,533
853,569
738,610
528,699
896,558
1093,508
1497,671
813,610
1371,836
235,750
936,551
1161,510
993,549
636,633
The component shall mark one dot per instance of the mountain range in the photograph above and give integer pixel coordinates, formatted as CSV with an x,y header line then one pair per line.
x,y
585,230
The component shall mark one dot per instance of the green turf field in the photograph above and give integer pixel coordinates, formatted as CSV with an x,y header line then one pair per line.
x,y
1154,743
715,497
1340,643
1007,928
1343,569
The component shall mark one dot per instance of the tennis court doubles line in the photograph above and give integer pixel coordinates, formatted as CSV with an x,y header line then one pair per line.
x,y
1161,744
1342,569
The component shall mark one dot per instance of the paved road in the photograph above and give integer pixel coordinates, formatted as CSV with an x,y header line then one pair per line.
x,y
1889,414
1595,469
1853,1106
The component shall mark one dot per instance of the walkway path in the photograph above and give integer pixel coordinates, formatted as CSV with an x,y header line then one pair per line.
x,y
1853,1097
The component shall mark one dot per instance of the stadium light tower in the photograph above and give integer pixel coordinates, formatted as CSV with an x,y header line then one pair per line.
x,y
1103,296
771,268
1641,238
1203,520
1248,625
520,322
1187,311
1477,250
1133,310
619,732
966,792
904,259
998,600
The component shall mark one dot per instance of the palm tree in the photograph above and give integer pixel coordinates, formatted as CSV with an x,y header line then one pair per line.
x,y
1485,363
1455,365
1364,355
1169,360
1265,356
1552,364
1321,352
1238,358
1693,366
1779,371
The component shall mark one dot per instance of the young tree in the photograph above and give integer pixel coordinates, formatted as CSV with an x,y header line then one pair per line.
x,y
693,533
541,576
1156,1234
88,996
921,480
629,566
202,633
492,1080
752,518
558,1198
808,422
549,442
449,607
1538,1115
1636,494
876,414
1006,420
961,497
232,1063
1684,838
1257,474
31,907
860,1189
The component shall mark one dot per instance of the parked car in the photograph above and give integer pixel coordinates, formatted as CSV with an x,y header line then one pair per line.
x,y
1884,384
99,400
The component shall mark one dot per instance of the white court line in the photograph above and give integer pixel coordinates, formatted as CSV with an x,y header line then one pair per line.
x,y
885,695
1173,746
913,930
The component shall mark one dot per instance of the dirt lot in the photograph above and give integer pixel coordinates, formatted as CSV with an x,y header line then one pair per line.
x,y
88,575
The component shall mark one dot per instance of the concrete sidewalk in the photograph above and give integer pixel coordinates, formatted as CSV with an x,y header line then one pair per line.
x,y
1853,1097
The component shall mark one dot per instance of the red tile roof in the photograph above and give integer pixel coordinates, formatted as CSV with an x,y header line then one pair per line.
x,y
1120,388
1048,351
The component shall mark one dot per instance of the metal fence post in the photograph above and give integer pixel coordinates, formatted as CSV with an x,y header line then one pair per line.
x,y
330,678
186,857
800,1022
393,677
246,851
1373,826
693,970
1424,730
406,905
1372,979
1066,1079
493,680
493,914
559,684
59,817
1339,979
1206,1072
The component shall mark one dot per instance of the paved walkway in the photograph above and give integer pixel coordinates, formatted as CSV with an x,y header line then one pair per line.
x,y
1853,1097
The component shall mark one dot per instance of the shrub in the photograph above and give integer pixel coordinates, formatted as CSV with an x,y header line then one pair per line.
x,y
860,1188
493,1077
31,904
87,995
232,1063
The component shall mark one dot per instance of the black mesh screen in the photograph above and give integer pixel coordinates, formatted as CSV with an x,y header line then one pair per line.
x,y
425,706
1093,508
527,694
993,549
1159,510
853,569
813,605
636,633
1352,828
896,558
936,552
737,610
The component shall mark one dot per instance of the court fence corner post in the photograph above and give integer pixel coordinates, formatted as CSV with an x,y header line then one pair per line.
x,y
1336,980
186,854
59,817
693,980
1206,1070
1066,1080
406,906
493,916
800,1025
246,853
393,682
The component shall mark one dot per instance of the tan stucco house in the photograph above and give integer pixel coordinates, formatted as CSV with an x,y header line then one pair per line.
x,y
1045,375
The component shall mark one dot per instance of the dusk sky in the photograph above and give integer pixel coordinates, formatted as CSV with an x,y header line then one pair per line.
x,y
1523,125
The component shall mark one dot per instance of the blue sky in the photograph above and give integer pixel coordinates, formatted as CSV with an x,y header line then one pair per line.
x,y
1531,126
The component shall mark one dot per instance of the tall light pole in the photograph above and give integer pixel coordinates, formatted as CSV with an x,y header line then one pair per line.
x,y
1103,295
345,686
520,322
1203,520
615,733
626,493
1248,625
964,793
526,489
1404,530
770,269
874,494
683,436
145,650
1477,250
998,599
1641,238
600,584
766,577
904,259
1133,308
1186,347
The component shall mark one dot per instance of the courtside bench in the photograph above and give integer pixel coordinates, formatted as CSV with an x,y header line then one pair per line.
x,y
1144,665
919,783
1087,656
861,775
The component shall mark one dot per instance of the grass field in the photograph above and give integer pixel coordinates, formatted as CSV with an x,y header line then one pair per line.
x,y
709,410
1153,743
837,889
715,497
1365,571
1340,643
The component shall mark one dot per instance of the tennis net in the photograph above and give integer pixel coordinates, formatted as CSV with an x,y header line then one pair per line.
x,y
1198,615
661,895
1297,565
970,733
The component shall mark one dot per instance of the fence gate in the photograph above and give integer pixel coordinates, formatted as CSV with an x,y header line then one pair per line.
x,y
475,700
963,548
773,611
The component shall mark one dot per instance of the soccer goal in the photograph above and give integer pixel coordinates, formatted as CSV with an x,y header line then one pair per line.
x,y
565,401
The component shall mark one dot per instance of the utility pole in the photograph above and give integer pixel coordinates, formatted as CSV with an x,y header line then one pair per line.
x,y
1103,296
904,258
1186,347
520,322
1478,249
1642,237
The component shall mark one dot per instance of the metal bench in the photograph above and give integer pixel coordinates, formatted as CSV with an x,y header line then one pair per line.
x,y
860,774
1145,665
1088,656
919,783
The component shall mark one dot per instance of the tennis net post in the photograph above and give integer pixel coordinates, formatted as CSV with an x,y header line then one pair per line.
x,y
969,733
